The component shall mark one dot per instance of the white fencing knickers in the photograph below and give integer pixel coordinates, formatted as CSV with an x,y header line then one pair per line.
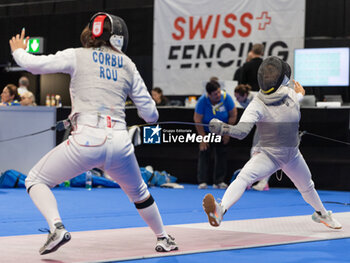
x,y
97,142
263,164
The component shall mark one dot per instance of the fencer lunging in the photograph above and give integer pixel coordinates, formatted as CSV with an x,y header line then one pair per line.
x,y
102,77
276,113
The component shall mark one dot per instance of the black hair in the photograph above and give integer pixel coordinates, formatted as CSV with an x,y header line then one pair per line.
x,y
13,91
211,86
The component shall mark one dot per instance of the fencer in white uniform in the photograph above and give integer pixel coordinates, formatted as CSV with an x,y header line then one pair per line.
x,y
102,77
276,113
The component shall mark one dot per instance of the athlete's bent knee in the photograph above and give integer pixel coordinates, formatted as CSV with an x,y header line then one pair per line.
x,y
244,178
306,188
32,180
29,182
144,204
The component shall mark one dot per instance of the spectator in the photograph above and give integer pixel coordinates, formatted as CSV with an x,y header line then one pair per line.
x,y
158,97
214,104
250,69
214,79
28,99
9,96
237,75
23,85
243,95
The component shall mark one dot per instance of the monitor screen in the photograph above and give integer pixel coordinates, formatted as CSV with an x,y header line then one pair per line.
x,y
321,67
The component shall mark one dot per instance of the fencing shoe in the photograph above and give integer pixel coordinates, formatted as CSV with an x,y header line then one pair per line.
x,y
327,220
213,210
220,186
202,186
166,244
56,239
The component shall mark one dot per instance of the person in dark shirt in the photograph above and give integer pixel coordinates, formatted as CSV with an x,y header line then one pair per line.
x,y
237,75
158,97
250,69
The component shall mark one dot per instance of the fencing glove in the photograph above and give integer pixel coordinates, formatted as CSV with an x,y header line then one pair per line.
x,y
218,127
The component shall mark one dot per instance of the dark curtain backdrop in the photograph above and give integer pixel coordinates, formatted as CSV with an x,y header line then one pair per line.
x,y
61,23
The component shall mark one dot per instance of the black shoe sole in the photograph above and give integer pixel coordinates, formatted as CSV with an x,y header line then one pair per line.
x,y
65,239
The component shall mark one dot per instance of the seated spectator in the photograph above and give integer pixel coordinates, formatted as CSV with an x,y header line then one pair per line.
x,y
243,95
23,85
158,97
28,99
9,96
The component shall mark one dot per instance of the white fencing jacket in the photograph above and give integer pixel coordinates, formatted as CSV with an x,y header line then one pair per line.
x,y
101,80
276,117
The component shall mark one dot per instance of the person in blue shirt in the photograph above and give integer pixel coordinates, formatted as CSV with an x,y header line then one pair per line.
x,y
214,104
9,96
243,94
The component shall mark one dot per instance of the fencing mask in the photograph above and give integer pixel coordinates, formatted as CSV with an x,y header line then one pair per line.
x,y
118,36
271,74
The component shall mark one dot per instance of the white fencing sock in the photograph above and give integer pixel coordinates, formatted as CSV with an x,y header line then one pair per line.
x,y
45,201
313,199
149,212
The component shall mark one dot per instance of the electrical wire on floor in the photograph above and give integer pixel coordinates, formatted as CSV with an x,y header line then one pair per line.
x,y
332,140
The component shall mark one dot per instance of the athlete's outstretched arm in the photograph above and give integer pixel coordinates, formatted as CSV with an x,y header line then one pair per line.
x,y
250,116
19,41
61,62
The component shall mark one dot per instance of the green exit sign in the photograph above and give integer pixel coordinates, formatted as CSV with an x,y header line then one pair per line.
x,y
36,45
